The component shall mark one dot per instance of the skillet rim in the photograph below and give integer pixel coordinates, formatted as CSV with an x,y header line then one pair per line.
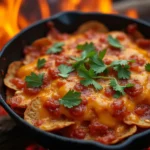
x,y
14,115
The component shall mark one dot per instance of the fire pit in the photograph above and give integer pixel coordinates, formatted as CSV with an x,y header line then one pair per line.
x,y
18,14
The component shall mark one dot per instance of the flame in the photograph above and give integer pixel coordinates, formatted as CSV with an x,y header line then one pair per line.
x,y
105,7
132,13
44,7
12,20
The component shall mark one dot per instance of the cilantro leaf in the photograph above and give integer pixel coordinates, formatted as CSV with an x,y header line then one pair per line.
x,y
88,77
41,63
123,71
88,52
71,99
118,88
122,67
56,48
102,54
64,70
119,62
147,67
86,47
34,80
97,64
114,42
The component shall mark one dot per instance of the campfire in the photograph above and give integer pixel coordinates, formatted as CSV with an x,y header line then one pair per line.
x,y
17,14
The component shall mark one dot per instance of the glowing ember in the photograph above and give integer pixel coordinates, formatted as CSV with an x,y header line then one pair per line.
x,y
12,20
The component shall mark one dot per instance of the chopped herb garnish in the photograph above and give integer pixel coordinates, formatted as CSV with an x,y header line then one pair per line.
x,y
88,77
71,99
147,67
114,42
41,63
64,70
118,88
34,80
56,48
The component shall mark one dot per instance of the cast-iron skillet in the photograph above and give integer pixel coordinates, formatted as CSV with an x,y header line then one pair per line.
x,y
66,22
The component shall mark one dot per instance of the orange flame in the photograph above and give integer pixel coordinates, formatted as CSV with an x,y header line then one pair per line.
x,y
132,13
12,20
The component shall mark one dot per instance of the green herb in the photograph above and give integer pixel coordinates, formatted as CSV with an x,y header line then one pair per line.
x,y
71,99
147,67
118,88
97,64
88,52
122,67
41,63
114,42
56,48
64,70
88,76
86,47
34,80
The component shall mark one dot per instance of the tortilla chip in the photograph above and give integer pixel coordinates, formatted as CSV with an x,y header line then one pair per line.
x,y
12,69
98,26
133,119
35,112
126,132
41,42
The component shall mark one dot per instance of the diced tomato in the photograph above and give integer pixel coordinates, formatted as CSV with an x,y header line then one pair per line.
x,y
118,109
132,28
60,83
143,110
135,67
46,80
79,87
107,139
38,123
77,111
18,83
139,61
78,133
143,43
96,128
109,92
15,101
53,73
121,37
107,61
103,38
136,90
60,60
31,91
53,107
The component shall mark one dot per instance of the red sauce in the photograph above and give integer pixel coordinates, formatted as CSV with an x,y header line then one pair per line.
x,y
135,67
18,83
79,87
139,61
31,91
109,92
136,90
96,128
103,38
60,60
46,80
143,110
107,139
107,61
53,107
53,73
78,133
119,110
143,43
77,111
15,101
